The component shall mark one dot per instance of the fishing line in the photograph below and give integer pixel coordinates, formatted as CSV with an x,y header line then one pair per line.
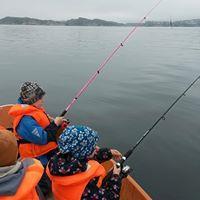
x,y
108,58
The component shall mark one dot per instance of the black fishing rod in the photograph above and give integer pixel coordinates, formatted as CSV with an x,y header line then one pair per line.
x,y
125,170
130,152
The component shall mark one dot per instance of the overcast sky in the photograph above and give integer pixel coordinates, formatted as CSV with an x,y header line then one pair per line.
x,y
116,10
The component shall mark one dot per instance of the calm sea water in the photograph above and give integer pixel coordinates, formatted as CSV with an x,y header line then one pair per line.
x,y
135,88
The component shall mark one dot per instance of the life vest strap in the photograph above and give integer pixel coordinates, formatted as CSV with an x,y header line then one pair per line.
x,y
23,141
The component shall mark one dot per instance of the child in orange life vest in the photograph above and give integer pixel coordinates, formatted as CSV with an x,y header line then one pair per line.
x,y
18,179
34,129
36,133
76,172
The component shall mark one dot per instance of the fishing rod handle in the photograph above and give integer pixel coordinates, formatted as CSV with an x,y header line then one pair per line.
x,y
63,113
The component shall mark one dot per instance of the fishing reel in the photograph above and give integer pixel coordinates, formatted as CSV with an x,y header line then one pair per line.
x,y
125,171
65,124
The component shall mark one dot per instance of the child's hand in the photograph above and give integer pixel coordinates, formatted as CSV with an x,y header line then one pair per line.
x,y
58,121
97,148
116,170
116,154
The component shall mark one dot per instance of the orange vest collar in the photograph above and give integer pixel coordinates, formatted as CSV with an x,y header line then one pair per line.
x,y
23,109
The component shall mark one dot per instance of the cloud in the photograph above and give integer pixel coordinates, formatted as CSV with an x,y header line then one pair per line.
x,y
118,10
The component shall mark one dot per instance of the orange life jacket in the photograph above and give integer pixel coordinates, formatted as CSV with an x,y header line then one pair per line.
x,y
72,187
29,149
2,128
27,187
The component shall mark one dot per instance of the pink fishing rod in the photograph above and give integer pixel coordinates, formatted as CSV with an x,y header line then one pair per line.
x,y
108,58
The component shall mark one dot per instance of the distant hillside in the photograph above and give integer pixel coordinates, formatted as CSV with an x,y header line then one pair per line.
x,y
91,22
95,22
72,22
29,21
188,23
182,23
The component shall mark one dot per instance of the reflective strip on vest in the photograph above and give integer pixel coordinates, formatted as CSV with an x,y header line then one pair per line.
x,y
27,189
72,187
30,150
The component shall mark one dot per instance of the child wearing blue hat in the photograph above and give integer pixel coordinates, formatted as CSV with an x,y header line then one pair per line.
x,y
76,172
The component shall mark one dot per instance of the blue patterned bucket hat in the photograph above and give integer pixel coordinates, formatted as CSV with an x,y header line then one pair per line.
x,y
80,141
